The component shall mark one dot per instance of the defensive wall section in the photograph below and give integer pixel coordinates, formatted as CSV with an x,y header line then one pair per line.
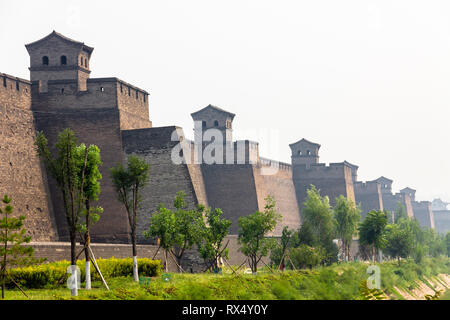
x,y
114,115
167,178
332,180
95,117
275,178
423,213
22,176
441,221
368,196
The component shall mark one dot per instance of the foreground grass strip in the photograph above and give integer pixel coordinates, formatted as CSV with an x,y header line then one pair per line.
x,y
337,282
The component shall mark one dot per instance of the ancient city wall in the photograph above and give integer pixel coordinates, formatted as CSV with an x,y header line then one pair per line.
x,y
368,196
100,126
423,213
441,220
231,188
391,203
22,177
166,177
332,181
64,94
133,105
281,187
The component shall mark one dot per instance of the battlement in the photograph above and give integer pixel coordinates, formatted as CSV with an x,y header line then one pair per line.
x,y
148,138
422,204
265,162
100,93
367,187
322,170
15,92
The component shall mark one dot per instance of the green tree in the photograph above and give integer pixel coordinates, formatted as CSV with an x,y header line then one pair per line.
x,y
128,183
306,257
68,168
253,230
91,191
434,242
399,241
12,237
318,221
213,233
347,217
400,212
447,243
372,231
188,226
163,226
279,253
177,230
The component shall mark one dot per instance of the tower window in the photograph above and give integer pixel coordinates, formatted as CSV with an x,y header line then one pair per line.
x,y
121,88
299,153
63,60
308,152
45,60
203,124
129,91
137,95
81,61
102,89
4,81
85,63
145,97
216,123
62,90
17,85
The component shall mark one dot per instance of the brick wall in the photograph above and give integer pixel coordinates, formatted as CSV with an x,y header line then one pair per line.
x,y
332,181
368,196
232,189
281,187
99,127
423,213
442,221
166,177
22,176
133,106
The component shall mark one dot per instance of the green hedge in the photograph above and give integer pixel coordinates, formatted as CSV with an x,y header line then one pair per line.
x,y
53,274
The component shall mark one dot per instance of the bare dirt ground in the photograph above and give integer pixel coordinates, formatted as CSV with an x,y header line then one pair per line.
x,y
441,283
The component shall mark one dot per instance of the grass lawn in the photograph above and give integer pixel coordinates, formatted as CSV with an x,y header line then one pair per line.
x,y
336,282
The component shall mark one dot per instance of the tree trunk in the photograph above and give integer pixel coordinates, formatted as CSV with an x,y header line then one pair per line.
x,y
73,262
135,262
253,265
373,253
166,266
87,243
4,260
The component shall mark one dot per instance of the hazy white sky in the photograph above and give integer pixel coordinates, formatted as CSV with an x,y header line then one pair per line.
x,y
368,80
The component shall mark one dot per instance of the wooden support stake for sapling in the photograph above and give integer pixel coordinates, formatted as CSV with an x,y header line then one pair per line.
x,y
267,266
175,260
156,253
17,285
97,268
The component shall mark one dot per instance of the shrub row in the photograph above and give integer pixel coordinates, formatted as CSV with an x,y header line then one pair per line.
x,y
53,274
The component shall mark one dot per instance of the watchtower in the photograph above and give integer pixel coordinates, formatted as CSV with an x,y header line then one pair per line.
x,y
213,129
56,57
385,184
410,192
304,152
